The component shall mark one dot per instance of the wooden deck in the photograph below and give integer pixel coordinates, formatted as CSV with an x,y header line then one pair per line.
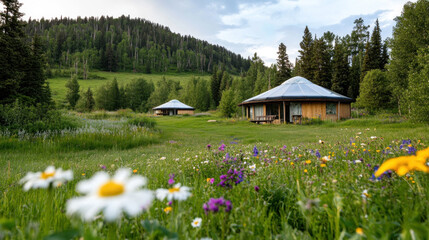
x,y
262,119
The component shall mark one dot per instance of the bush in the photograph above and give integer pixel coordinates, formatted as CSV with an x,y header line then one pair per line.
x,y
374,91
142,122
19,116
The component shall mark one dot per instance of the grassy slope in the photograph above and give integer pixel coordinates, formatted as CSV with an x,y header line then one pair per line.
x,y
190,136
59,90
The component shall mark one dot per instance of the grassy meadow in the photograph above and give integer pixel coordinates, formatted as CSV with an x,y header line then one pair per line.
x,y
59,90
284,191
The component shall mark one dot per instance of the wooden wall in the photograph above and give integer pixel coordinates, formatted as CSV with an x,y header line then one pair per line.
x,y
181,112
318,110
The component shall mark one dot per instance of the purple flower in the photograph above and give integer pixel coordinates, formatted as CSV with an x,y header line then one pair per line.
x,y
255,151
211,181
412,150
318,154
233,177
214,204
257,188
103,166
209,146
171,180
222,147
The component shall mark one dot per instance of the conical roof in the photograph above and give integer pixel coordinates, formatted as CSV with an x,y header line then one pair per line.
x,y
174,104
298,88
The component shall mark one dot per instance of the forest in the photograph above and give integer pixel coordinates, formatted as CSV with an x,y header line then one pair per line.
x,y
125,44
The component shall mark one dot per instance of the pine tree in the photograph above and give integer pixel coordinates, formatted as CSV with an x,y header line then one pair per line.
x,y
373,52
228,105
86,102
306,55
215,86
321,64
340,68
72,91
284,66
359,37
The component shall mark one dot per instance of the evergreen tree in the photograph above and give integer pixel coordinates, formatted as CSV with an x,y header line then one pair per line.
x,y
284,66
340,68
355,73
137,93
373,52
320,64
306,55
72,95
86,102
359,37
215,85
228,105
21,66
115,96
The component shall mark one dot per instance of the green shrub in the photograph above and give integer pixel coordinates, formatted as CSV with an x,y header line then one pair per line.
x,y
142,122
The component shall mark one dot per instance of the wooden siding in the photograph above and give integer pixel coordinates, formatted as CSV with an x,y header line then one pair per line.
x,y
314,110
181,112
345,111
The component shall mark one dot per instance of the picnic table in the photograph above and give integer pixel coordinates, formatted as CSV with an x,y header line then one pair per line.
x,y
261,119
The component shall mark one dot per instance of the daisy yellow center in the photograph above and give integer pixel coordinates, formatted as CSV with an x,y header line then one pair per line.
x,y
173,190
47,175
111,189
196,222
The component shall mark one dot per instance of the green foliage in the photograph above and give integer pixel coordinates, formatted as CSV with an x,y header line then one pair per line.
x,y
417,94
228,104
165,90
137,93
196,94
126,44
72,91
306,55
284,66
321,63
19,116
86,102
340,69
108,97
142,122
374,91
410,34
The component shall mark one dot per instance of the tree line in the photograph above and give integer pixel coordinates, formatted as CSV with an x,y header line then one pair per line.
x,y
126,44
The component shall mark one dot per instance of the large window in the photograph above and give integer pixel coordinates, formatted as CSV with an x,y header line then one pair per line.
x,y
331,108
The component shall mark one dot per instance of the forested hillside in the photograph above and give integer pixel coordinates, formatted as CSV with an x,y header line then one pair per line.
x,y
125,44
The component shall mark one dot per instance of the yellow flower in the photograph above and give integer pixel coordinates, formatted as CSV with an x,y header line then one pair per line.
x,y
308,161
322,165
377,150
359,231
291,163
404,164
388,148
168,209
135,171
299,155
305,170
353,144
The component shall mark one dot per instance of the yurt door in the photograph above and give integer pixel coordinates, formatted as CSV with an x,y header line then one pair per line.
x,y
295,109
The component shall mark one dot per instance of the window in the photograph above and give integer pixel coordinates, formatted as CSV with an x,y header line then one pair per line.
x,y
331,108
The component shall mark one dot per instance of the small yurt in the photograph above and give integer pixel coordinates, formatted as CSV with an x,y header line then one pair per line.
x,y
295,100
173,107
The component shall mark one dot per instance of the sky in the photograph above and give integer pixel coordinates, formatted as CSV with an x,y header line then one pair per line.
x,y
244,27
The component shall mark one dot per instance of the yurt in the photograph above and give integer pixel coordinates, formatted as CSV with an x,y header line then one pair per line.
x,y
173,107
294,100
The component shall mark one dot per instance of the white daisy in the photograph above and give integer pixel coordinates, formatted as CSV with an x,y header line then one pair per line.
x,y
253,167
111,196
373,137
196,222
177,192
50,177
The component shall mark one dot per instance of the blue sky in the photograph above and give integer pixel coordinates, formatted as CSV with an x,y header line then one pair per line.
x,y
243,27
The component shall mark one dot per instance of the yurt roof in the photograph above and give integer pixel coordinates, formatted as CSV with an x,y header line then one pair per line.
x,y
298,88
174,104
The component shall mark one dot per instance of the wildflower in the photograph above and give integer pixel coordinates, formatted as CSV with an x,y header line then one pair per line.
x,y
322,165
305,170
291,163
214,203
373,137
308,161
255,151
135,171
325,159
177,192
222,147
321,142
257,188
359,231
83,174
103,167
357,161
232,176
318,154
50,177
171,179
168,209
365,194
404,164
196,222
162,158
209,146
253,167
111,196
